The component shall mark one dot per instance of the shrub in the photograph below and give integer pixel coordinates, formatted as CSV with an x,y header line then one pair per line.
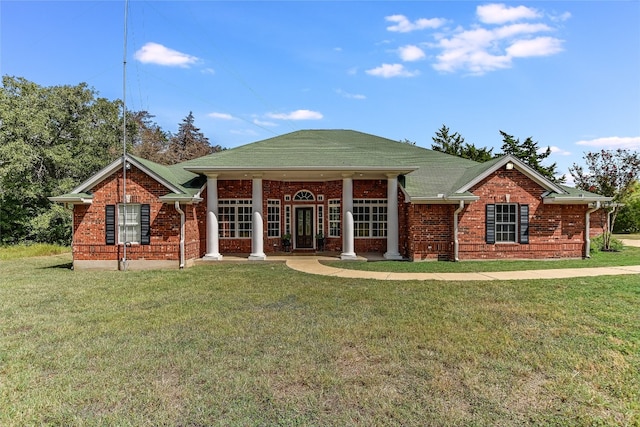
x,y
597,244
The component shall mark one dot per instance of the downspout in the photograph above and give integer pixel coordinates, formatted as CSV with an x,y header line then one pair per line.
x,y
587,229
455,230
177,205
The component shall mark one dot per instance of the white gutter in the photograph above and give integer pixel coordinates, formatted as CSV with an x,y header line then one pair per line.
x,y
455,230
587,229
177,206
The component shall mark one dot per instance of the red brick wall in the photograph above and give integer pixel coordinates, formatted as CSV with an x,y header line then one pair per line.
x,y
554,230
89,222
430,234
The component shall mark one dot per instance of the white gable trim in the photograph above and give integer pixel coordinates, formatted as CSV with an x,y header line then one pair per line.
x,y
117,165
521,167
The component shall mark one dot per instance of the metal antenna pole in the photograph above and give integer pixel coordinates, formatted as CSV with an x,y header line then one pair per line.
x,y
124,138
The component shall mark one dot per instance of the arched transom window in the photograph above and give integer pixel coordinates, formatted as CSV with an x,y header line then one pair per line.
x,y
304,195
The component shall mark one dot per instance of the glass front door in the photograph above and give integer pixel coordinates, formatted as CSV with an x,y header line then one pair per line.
x,y
304,228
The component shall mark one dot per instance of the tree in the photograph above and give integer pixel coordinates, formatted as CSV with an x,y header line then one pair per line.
x,y
454,144
611,173
149,140
529,152
628,220
51,139
189,143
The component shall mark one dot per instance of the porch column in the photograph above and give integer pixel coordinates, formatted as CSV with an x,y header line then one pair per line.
x,y
213,243
347,218
392,218
257,235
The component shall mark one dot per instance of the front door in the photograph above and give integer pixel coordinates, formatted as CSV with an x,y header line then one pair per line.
x,y
304,228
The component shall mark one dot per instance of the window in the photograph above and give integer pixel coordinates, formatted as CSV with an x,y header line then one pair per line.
x,y
320,228
370,217
234,218
334,218
273,218
128,224
504,225
131,225
304,195
287,220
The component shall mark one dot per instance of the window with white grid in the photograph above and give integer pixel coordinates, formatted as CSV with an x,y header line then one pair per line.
x,y
370,217
234,218
273,218
287,219
334,218
320,229
129,223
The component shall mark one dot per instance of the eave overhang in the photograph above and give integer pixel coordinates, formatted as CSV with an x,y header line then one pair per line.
x,y
443,199
74,199
575,200
301,173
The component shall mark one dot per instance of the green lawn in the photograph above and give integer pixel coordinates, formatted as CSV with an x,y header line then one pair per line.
x,y
627,256
259,344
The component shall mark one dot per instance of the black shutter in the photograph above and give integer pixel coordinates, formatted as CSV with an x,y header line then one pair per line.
x,y
490,221
110,224
524,223
145,224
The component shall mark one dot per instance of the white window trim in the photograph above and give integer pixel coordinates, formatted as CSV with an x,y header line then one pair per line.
x,y
235,203
137,232
515,224
335,204
273,226
382,225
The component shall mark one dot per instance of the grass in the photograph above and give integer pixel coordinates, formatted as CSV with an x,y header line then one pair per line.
x,y
37,249
259,344
627,256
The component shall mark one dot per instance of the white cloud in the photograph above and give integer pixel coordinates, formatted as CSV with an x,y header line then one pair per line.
x,y
221,116
613,142
154,53
210,71
264,123
391,70
481,50
540,46
498,13
349,95
411,53
297,115
404,25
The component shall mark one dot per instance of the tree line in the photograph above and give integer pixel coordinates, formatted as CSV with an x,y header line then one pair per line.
x,y
54,138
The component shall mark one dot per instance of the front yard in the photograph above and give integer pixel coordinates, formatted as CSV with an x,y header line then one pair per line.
x,y
246,344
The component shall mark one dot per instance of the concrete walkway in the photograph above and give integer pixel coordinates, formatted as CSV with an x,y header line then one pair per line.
x,y
312,265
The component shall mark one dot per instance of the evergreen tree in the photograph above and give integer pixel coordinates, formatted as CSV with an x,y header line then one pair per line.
x,y
189,143
454,144
529,152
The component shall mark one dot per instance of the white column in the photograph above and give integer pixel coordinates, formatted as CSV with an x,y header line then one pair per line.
x,y
393,240
213,244
257,235
347,218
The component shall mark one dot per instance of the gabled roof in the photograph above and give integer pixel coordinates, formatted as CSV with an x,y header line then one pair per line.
x,y
181,184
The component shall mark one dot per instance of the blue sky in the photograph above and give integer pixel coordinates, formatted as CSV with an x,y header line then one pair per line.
x,y
565,73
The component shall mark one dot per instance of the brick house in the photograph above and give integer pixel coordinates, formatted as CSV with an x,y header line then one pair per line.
x,y
359,193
